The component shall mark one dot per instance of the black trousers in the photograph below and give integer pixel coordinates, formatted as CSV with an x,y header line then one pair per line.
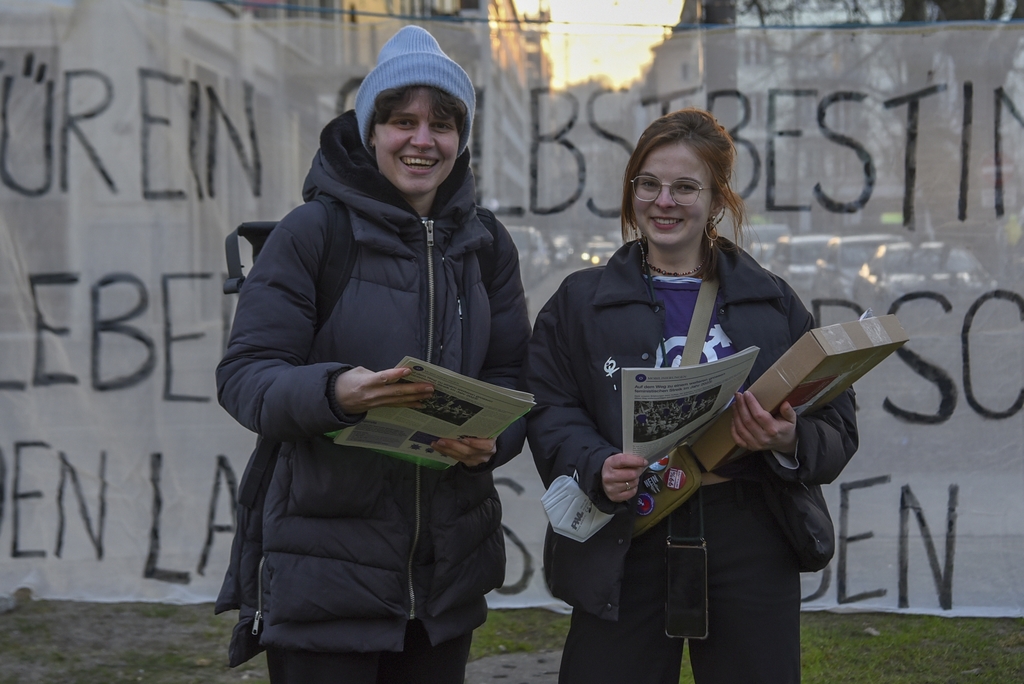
x,y
753,604
418,663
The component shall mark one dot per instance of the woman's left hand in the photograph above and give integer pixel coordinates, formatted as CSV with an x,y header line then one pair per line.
x,y
470,451
755,429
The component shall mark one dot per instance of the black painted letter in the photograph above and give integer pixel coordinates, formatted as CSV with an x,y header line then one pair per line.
x,y
1002,100
117,325
151,571
607,135
556,137
773,95
170,338
750,147
223,472
965,343
520,585
66,471
913,102
862,154
149,120
40,377
5,133
943,575
931,373
846,539
254,170
70,125
965,149
16,496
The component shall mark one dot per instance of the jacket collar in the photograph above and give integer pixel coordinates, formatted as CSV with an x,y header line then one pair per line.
x,y
622,281
741,278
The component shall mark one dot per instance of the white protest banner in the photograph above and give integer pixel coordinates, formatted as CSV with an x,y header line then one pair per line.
x,y
135,135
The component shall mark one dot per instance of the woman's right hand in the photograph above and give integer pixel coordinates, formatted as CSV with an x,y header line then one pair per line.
x,y
360,389
620,476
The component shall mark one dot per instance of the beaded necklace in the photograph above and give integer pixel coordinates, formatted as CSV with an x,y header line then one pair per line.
x,y
670,273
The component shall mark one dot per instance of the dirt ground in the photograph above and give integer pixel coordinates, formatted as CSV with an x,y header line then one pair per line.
x,y
86,643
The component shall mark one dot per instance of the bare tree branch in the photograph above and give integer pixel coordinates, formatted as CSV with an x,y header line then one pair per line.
x,y
961,10
914,10
862,11
756,5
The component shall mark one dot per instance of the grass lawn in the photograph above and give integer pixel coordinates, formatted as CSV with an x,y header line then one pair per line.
x,y
95,643
868,648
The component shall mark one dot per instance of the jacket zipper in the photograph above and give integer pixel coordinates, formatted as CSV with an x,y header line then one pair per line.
x,y
465,336
259,599
412,551
428,225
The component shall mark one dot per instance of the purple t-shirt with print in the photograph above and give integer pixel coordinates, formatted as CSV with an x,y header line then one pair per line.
x,y
679,295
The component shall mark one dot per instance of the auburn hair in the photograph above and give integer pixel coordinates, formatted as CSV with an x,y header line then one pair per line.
x,y
710,141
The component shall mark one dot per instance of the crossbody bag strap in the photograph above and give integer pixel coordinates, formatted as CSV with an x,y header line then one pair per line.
x,y
699,323
676,536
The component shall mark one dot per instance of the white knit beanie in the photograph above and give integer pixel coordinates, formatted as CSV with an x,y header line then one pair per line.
x,y
413,57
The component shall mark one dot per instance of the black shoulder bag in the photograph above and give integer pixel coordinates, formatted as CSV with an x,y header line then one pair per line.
x,y
804,518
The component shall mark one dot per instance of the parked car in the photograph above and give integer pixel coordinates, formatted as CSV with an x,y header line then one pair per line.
x,y
836,270
796,258
562,250
902,267
760,240
598,251
534,255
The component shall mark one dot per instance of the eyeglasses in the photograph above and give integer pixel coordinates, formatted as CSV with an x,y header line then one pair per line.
x,y
683,192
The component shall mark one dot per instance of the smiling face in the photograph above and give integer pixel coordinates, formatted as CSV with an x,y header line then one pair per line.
x,y
674,233
416,149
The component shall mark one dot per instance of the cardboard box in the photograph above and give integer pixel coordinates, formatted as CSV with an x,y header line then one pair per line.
x,y
816,369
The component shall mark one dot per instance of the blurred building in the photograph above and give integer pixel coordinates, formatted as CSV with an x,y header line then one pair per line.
x,y
491,46
538,54
502,54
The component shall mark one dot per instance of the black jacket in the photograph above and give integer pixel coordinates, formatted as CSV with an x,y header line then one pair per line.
x,y
604,317
355,542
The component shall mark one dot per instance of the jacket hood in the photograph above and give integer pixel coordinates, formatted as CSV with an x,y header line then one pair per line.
x,y
344,169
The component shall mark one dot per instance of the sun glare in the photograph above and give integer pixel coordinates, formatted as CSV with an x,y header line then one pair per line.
x,y
606,39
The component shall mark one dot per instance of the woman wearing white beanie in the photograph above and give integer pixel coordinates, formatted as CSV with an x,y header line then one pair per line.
x,y
367,568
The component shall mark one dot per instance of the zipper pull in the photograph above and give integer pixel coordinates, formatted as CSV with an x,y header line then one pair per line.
x,y
429,225
259,598
459,300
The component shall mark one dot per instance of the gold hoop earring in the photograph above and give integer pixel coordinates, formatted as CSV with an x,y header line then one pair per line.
x,y
711,227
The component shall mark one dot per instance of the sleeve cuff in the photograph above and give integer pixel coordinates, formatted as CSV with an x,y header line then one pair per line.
x,y
789,462
332,400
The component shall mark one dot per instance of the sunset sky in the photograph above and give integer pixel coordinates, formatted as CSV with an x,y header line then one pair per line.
x,y
610,37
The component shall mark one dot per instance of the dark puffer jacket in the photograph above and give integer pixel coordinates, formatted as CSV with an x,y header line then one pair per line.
x,y
606,314
355,542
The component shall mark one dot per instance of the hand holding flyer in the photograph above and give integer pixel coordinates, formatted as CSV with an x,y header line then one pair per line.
x,y
662,407
459,407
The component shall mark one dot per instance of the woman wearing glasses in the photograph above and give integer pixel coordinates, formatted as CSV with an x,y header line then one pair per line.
x,y
635,312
